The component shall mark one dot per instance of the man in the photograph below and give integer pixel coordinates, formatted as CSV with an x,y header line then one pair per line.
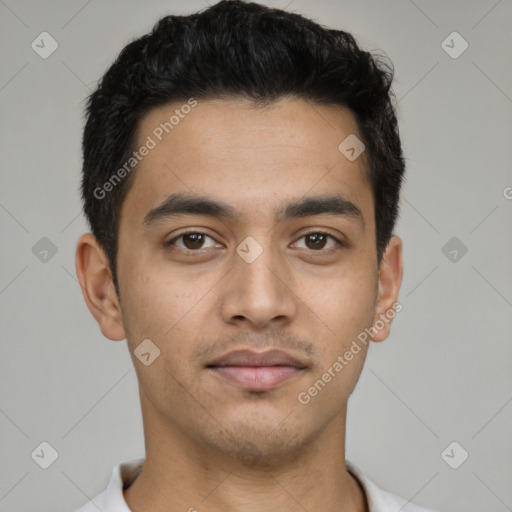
x,y
242,169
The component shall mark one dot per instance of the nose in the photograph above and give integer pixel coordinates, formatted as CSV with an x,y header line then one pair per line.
x,y
260,293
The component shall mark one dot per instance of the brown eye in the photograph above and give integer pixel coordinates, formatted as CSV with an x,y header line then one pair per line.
x,y
191,241
317,241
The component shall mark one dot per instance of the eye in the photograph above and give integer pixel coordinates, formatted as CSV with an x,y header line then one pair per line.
x,y
318,241
191,241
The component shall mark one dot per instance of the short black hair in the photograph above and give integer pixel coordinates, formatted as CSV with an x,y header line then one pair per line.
x,y
245,50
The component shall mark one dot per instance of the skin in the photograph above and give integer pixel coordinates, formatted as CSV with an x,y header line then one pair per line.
x,y
209,443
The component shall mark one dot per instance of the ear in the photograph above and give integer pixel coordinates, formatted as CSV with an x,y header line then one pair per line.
x,y
98,289
390,279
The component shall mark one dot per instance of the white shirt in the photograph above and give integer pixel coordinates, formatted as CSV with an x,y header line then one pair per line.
x,y
112,499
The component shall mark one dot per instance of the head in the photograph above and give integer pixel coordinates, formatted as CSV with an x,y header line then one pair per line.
x,y
227,213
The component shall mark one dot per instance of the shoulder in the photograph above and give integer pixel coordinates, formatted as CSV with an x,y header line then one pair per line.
x,y
380,500
112,499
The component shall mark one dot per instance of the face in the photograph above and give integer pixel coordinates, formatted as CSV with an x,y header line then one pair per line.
x,y
247,229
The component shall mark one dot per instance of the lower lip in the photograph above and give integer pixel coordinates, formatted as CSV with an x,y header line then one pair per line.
x,y
257,378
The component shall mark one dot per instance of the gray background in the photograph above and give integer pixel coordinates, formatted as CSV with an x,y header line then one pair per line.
x,y
444,375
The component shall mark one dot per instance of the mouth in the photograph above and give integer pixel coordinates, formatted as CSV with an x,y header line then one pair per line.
x,y
257,371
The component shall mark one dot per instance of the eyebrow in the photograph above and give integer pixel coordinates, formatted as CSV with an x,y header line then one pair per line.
x,y
182,204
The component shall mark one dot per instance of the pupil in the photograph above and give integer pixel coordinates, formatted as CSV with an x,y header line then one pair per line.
x,y
195,240
318,240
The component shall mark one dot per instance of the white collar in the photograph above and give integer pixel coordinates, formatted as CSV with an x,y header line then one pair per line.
x,y
112,499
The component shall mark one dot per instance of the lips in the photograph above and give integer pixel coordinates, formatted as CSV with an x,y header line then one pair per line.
x,y
256,371
250,358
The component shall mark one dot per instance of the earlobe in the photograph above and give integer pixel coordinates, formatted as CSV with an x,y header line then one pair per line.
x,y
95,279
390,280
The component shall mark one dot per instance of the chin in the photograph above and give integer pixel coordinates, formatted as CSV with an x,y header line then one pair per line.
x,y
260,443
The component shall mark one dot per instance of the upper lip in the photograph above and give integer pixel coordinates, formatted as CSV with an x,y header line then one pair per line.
x,y
251,358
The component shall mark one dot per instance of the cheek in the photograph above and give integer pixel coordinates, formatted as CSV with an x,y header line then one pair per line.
x,y
164,307
344,309
156,311
342,301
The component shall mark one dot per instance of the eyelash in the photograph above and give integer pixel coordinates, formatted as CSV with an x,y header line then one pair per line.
x,y
339,243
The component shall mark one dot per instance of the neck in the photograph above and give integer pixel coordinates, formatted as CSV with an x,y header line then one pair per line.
x,y
183,473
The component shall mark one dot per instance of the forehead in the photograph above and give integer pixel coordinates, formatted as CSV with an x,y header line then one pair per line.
x,y
251,157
